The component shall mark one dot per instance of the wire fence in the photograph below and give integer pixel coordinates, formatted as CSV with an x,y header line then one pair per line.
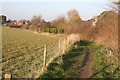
x,y
33,66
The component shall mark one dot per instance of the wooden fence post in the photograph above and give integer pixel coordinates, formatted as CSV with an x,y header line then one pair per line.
x,y
7,76
59,45
67,43
110,53
45,56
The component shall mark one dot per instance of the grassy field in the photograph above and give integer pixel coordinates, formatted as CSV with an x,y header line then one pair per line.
x,y
18,44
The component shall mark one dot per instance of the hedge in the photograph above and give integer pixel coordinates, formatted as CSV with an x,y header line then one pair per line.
x,y
60,30
43,29
48,29
53,30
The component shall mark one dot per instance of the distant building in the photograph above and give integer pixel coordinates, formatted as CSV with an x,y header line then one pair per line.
x,y
6,23
94,21
16,22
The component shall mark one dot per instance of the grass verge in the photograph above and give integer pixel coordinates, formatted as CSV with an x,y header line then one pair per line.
x,y
104,63
68,65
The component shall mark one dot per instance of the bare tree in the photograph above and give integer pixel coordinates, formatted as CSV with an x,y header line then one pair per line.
x,y
114,5
72,13
73,16
36,20
59,22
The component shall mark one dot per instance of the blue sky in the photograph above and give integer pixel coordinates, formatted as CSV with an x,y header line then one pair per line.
x,y
51,9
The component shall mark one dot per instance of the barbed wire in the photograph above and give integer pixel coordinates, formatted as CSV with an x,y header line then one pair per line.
x,y
51,44
33,63
24,59
53,50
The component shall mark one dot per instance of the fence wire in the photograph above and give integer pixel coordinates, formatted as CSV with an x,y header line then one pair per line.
x,y
32,65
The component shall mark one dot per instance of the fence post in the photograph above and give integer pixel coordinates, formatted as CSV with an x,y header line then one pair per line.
x,y
7,76
68,44
110,53
59,45
45,55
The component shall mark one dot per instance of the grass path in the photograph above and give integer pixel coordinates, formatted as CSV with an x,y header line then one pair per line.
x,y
86,66
85,60
74,64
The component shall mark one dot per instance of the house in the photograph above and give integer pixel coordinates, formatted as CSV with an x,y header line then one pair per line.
x,y
94,21
6,23
17,22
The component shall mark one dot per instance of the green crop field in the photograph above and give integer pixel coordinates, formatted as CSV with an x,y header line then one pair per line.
x,y
19,44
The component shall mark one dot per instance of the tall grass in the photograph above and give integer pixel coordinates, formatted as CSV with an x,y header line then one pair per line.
x,y
104,63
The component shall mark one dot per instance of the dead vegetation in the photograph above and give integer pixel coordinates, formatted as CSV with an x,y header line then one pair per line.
x,y
104,33
106,30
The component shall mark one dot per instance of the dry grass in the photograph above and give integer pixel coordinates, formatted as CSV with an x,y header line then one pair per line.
x,y
73,38
106,30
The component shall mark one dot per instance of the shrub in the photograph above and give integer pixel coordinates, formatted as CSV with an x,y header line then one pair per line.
x,y
43,29
48,29
55,30
52,30
60,30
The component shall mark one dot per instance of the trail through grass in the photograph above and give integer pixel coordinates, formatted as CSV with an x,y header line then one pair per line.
x,y
71,64
68,65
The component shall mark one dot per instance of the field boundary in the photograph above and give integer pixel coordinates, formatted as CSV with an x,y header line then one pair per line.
x,y
59,48
40,33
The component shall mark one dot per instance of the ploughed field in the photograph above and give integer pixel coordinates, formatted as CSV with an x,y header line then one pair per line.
x,y
18,45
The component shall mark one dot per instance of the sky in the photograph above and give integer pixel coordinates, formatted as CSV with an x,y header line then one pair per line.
x,y
51,9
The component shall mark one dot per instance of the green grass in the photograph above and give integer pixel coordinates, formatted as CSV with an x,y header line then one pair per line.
x,y
18,44
103,65
68,65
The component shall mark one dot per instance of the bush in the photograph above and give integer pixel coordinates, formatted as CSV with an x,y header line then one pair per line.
x,y
52,30
48,29
43,29
60,30
55,30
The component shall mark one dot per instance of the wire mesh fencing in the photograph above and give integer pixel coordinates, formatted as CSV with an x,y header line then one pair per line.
x,y
33,66
26,67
